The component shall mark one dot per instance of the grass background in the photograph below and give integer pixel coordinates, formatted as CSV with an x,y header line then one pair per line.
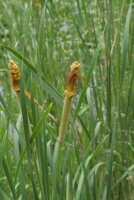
x,y
44,38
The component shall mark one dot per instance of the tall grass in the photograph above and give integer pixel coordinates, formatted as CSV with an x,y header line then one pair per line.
x,y
97,156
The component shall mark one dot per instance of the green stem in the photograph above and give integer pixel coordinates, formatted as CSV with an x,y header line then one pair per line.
x,y
62,130
19,102
18,98
68,188
55,167
64,118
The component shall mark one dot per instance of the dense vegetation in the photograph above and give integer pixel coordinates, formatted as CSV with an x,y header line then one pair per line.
x,y
97,156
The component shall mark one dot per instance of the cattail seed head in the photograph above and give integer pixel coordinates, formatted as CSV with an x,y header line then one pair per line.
x,y
14,75
71,88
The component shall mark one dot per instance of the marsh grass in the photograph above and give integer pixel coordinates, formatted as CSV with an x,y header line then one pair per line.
x,y
97,155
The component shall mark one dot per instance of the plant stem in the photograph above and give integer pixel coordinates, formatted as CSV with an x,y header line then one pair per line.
x,y
64,118
18,98
62,130
68,188
19,102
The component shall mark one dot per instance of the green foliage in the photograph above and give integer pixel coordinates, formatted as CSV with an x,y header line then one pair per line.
x,y
96,159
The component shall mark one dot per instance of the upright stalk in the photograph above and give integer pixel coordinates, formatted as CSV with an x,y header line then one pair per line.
x,y
15,84
64,118
70,90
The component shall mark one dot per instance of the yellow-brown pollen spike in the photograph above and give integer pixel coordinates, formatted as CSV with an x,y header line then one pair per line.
x,y
71,88
14,75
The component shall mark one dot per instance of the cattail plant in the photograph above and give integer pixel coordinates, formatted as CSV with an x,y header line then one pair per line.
x,y
15,81
70,90
15,84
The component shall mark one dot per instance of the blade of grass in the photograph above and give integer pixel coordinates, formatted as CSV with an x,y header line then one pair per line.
x,y
27,131
109,31
44,163
64,172
2,147
7,111
68,197
17,149
9,178
90,104
87,193
27,25
125,45
41,29
4,195
49,154
110,164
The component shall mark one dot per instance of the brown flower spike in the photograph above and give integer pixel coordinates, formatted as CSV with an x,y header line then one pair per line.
x,y
71,88
14,75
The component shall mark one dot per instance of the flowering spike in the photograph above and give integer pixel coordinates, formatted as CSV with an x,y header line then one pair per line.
x,y
71,88
14,75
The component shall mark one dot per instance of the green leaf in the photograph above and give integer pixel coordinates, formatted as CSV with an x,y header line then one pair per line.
x,y
2,147
7,111
9,178
125,46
